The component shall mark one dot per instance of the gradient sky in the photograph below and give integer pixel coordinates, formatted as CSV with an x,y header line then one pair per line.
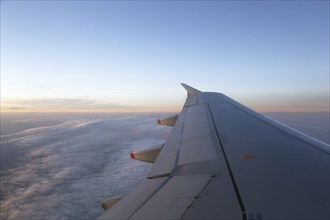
x,y
131,56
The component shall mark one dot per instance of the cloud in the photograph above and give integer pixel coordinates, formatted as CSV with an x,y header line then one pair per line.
x,y
68,167
63,104
16,108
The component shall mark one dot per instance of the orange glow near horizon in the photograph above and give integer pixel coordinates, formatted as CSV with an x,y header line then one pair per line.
x,y
256,107
170,108
272,103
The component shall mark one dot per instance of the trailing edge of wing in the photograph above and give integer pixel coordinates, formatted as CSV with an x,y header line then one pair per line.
x,y
191,93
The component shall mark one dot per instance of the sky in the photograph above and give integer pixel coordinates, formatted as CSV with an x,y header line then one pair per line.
x,y
131,56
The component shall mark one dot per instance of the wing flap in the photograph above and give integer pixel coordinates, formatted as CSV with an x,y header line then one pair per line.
x,y
130,203
197,150
217,201
167,157
174,198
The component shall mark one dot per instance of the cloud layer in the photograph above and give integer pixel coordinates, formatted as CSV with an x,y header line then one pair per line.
x,y
63,104
67,168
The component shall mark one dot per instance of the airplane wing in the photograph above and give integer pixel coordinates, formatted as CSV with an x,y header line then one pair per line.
x,y
223,160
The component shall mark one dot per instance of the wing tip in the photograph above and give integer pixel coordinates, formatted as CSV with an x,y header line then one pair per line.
x,y
190,89
191,93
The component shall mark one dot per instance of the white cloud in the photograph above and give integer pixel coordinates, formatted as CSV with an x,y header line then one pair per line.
x,y
67,168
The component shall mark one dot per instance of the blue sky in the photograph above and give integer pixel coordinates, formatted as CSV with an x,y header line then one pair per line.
x,y
131,56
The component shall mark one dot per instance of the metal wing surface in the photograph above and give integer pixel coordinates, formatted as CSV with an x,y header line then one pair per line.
x,y
223,160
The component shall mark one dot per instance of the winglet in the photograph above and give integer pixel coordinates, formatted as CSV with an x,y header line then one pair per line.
x,y
191,93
